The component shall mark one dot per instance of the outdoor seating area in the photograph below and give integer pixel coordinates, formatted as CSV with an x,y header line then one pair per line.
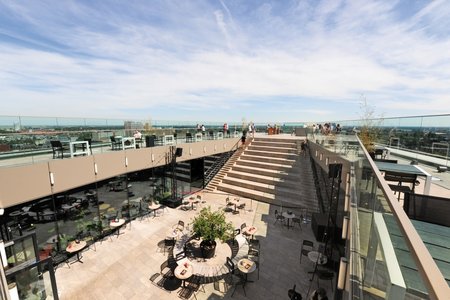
x,y
161,258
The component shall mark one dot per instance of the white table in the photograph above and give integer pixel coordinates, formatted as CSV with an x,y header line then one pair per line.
x,y
184,271
128,143
75,247
288,216
117,225
85,146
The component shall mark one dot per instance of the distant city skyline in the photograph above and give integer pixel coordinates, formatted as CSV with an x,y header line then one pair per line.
x,y
273,61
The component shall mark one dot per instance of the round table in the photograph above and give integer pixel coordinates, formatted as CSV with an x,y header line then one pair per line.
x,y
184,271
246,266
193,201
288,216
154,207
250,231
104,206
75,247
317,257
117,224
174,233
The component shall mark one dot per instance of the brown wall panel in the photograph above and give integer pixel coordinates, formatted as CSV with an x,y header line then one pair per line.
x,y
24,183
69,173
110,164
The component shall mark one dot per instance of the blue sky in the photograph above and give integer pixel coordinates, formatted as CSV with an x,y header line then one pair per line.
x,y
266,61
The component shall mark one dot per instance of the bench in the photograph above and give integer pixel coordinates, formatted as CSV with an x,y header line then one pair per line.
x,y
441,169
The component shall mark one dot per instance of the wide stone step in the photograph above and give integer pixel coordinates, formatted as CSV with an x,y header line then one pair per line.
x,y
264,179
272,149
260,171
262,187
274,144
246,193
272,160
261,165
257,152
276,140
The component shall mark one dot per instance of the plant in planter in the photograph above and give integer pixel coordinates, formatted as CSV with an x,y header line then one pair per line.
x,y
369,130
211,225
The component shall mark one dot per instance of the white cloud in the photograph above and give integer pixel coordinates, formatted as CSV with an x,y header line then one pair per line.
x,y
117,62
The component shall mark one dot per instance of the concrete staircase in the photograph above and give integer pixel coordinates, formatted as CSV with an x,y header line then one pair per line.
x,y
217,179
270,170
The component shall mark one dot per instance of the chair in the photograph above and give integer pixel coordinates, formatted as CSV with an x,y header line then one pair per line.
x,y
191,288
325,275
293,295
278,217
189,138
231,279
297,221
307,246
115,144
166,269
169,243
241,206
58,149
253,244
180,226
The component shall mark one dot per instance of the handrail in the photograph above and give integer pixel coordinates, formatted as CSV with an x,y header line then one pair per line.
x,y
429,271
218,164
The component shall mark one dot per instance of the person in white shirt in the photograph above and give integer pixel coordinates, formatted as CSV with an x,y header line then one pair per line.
x,y
137,134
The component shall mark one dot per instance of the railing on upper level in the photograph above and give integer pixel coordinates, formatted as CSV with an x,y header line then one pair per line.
x,y
388,257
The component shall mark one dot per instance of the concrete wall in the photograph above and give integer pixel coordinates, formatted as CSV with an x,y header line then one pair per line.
x,y
25,183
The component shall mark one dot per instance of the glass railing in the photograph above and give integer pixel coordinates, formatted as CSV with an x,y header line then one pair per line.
x,y
28,139
415,136
389,258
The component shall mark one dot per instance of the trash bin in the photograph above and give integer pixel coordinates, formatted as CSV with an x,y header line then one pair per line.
x,y
150,140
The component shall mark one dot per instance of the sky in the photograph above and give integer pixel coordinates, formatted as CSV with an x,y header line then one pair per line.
x,y
224,60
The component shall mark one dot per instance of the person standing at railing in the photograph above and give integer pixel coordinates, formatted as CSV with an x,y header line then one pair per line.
x,y
225,129
203,130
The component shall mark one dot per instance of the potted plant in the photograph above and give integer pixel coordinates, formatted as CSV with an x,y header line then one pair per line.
x,y
210,226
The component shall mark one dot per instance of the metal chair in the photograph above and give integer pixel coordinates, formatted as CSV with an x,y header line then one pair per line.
x,y
278,217
58,149
307,246
325,275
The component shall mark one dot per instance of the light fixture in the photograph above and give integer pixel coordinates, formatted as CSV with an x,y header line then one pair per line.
x,y
347,202
95,169
13,292
345,223
321,156
52,178
3,254
126,161
204,149
215,147
327,160
153,157
2,211
342,277
190,151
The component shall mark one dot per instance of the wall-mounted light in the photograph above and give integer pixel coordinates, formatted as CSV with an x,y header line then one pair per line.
x,y
13,292
153,157
3,254
126,161
327,160
95,169
190,151
317,153
224,145
342,277
347,202
345,224
215,147
321,156
52,178
204,149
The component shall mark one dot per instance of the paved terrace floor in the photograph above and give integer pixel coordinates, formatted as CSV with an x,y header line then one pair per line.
x,y
120,269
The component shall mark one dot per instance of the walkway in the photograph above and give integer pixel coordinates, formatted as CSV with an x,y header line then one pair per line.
x,y
120,269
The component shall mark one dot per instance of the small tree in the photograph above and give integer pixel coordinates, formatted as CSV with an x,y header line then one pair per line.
x,y
211,225
369,130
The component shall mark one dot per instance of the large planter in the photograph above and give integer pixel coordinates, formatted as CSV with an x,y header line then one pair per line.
x,y
208,248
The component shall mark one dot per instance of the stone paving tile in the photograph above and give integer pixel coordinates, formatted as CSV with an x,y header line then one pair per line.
x,y
121,269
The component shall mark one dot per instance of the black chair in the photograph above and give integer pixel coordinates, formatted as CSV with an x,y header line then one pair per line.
x,y
297,221
189,138
180,226
115,144
325,275
278,217
58,149
231,279
307,246
169,243
293,295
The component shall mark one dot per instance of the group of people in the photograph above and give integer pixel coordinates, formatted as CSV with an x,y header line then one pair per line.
x,y
326,128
